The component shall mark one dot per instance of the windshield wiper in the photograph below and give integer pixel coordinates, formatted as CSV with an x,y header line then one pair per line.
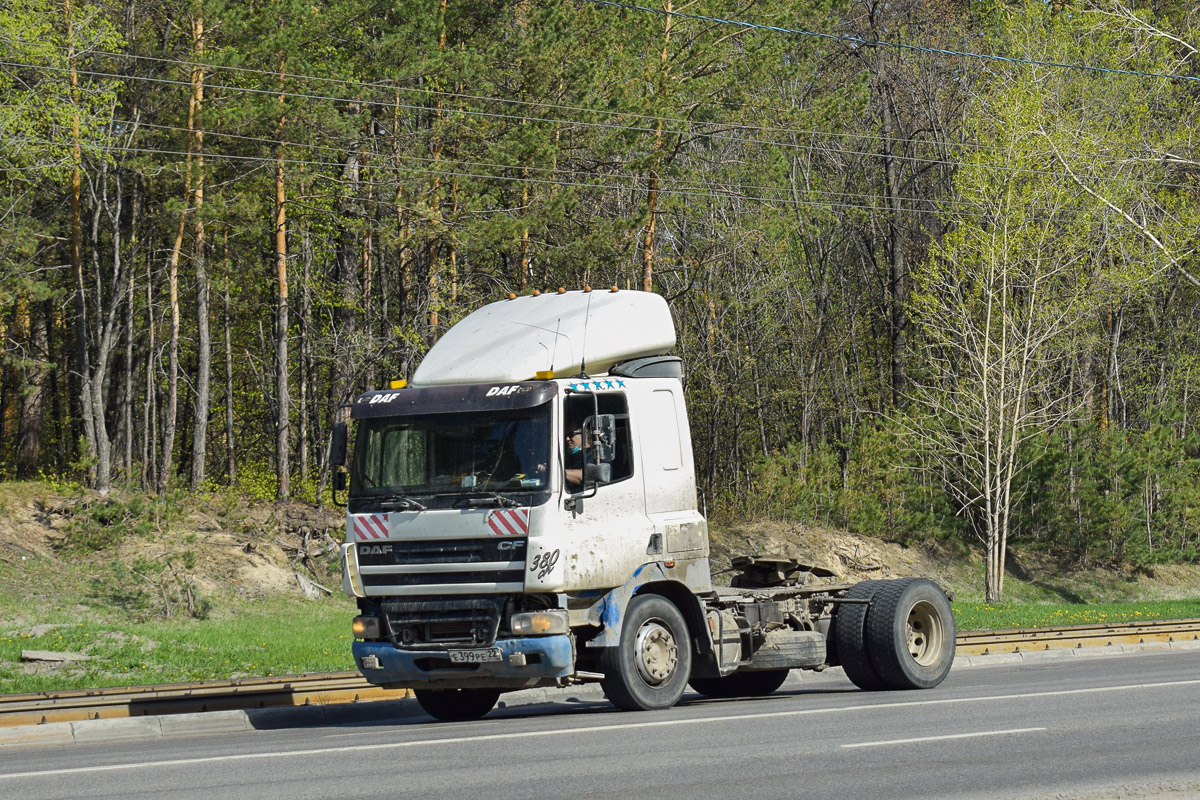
x,y
490,500
398,502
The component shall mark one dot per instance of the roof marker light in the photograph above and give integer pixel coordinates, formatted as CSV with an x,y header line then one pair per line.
x,y
400,384
586,288
512,296
543,374
536,292
562,290
614,288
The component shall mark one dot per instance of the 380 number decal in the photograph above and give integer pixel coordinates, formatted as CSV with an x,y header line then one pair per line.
x,y
543,563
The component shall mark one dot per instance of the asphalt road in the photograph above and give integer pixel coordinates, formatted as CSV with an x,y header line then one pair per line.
x,y
1124,727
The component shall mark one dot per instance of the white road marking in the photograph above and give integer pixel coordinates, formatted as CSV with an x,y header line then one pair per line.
x,y
942,738
624,726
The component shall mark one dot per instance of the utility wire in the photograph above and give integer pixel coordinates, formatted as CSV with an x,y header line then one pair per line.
x,y
813,148
858,40
684,183
783,199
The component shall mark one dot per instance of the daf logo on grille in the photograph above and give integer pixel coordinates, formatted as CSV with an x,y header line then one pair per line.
x,y
374,550
510,544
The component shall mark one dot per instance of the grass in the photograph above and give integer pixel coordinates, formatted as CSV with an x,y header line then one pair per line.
x,y
984,616
284,637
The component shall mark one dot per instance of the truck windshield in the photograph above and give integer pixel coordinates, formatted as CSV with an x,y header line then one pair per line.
x,y
466,453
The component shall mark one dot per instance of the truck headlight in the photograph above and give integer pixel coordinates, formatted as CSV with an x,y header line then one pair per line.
x,y
366,628
537,623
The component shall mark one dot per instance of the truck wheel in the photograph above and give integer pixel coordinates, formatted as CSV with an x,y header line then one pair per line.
x,y
910,634
649,669
741,684
457,705
849,636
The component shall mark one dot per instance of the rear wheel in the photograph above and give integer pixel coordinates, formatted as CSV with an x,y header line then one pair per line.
x,y
649,668
741,684
457,705
849,635
910,634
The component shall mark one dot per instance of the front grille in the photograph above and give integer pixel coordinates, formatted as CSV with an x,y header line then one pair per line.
x,y
454,566
441,551
471,621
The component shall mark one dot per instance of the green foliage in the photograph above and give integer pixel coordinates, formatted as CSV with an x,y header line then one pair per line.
x,y
1114,496
106,522
256,481
153,587
877,486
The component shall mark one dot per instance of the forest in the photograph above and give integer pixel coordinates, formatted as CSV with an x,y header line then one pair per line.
x,y
933,263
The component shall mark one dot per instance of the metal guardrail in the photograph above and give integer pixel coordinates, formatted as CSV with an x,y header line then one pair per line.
x,y
1031,639
350,687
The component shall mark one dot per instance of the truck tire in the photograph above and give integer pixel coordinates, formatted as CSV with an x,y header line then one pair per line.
x,y
741,684
849,636
649,669
457,705
910,634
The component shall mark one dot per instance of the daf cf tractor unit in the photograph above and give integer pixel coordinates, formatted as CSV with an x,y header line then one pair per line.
x,y
523,513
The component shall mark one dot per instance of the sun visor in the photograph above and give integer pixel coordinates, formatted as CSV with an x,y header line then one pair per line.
x,y
452,399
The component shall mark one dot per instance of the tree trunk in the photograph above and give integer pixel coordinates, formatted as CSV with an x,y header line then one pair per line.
x,y
150,406
282,466
652,177
230,461
106,321
33,403
84,365
203,332
897,268
172,407
305,311
435,195
127,396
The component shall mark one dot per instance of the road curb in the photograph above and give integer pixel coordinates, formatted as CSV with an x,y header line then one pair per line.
x,y
1064,653
56,734
169,725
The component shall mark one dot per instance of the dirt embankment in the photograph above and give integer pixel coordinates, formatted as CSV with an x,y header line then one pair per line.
x,y
211,546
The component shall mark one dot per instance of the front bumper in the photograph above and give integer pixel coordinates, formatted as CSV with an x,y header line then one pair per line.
x,y
547,659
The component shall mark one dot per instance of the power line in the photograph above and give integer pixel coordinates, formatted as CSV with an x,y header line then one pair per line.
x,y
653,118
782,200
814,148
858,40
607,176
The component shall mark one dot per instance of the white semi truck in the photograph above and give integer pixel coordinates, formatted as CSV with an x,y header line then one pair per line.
x,y
523,513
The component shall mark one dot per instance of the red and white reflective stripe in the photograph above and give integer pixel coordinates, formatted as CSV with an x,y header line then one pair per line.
x,y
370,526
509,521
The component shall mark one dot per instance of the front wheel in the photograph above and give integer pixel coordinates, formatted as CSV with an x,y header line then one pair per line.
x,y
649,668
457,705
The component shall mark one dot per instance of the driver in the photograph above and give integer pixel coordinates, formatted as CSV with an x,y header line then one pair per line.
x,y
575,454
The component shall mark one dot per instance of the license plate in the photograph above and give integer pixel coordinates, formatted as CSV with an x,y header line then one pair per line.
x,y
476,656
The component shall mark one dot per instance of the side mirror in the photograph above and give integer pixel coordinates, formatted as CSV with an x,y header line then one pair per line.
x,y
337,444
339,480
602,432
